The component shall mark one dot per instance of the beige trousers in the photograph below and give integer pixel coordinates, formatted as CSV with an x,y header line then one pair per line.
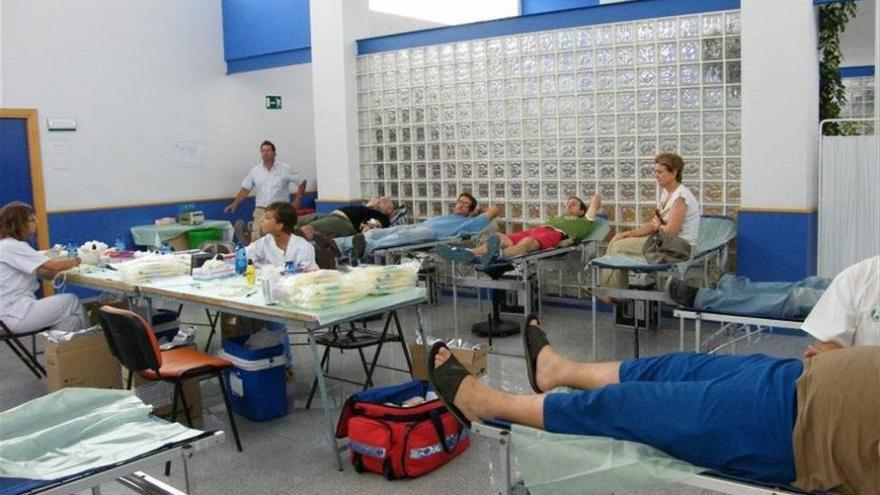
x,y
256,232
619,279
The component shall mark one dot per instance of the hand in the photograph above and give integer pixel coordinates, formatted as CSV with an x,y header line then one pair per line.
x,y
625,234
230,208
655,223
821,347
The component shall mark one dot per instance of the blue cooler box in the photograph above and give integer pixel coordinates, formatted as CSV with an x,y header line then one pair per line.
x,y
257,384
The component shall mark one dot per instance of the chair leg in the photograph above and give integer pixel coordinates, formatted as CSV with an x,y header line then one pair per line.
x,y
130,379
402,337
368,371
185,404
213,323
232,424
26,358
174,400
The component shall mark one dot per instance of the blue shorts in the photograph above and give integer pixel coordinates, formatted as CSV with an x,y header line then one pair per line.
x,y
733,414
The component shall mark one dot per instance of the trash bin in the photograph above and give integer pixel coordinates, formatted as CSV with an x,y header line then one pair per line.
x,y
257,384
198,236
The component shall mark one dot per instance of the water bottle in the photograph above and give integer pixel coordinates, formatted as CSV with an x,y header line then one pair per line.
x,y
291,267
71,250
166,249
240,260
119,245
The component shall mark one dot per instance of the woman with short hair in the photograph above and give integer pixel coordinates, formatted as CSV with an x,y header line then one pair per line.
x,y
20,309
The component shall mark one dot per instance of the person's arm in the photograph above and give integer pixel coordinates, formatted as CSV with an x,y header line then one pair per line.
x,y
51,268
676,218
643,231
820,348
832,320
300,191
242,194
492,212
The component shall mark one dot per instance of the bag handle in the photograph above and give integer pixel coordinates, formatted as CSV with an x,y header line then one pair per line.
x,y
438,427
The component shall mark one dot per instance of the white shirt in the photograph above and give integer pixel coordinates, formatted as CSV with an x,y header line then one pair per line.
x,y
299,250
273,185
18,276
690,228
849,311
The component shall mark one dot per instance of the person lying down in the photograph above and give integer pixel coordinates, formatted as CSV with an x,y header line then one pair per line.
x,y
777,421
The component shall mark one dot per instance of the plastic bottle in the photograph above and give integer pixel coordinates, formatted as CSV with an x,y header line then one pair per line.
x,y
166,249
119,244
71,250
291,267
251,273
240,260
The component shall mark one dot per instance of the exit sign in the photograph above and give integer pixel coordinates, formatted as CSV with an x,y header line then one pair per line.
x,y
273,103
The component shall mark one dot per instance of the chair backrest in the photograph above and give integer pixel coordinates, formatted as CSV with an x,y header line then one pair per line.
x,y
131,339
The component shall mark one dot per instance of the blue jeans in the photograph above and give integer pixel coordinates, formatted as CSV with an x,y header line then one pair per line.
x,y
399,235
739,295
733,414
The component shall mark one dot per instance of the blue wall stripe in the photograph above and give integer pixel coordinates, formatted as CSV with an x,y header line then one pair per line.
x,y
600,14
820,2
268,61
857,71
258,27
776,245
529,7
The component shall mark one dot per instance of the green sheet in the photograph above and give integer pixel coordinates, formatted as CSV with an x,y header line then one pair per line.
x,y
78,429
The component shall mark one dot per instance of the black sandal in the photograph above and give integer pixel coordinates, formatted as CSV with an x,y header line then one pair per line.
x,y
534,339
446,379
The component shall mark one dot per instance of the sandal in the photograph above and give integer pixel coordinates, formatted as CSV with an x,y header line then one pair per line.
x,y
534,339
446,379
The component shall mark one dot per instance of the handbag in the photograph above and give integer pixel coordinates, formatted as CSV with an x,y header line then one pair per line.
x,y
661,247
400,442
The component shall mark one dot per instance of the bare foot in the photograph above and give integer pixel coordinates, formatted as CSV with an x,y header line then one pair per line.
x,y
548,367
466,399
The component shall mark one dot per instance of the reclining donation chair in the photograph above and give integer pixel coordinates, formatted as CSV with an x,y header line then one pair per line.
x,y
133,343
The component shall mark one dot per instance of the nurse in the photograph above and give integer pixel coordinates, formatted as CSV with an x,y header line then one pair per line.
x,y
20,309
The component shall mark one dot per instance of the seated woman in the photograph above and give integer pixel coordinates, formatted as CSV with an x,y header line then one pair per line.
x,y
677,215
771,420
277,247
20,309
575,224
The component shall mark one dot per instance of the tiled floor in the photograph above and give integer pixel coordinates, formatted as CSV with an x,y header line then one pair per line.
x,y
291,454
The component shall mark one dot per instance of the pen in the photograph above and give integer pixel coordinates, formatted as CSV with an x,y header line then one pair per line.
x,y
249,294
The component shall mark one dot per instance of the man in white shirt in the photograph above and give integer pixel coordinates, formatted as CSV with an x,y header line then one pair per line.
x,y
848,313
270,181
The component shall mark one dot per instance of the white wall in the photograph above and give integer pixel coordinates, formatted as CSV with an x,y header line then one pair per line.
x,y
780,106
857,41
142,77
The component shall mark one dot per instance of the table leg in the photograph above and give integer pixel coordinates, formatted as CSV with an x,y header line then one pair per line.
x,y
325,402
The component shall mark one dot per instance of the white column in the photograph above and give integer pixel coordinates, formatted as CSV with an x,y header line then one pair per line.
x,y
780,104
335,26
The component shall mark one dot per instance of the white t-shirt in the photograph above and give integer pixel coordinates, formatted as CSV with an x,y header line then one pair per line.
x,y
299,250
690,229
18,276
269,186
849,311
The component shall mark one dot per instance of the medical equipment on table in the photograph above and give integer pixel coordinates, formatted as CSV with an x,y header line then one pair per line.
x,y
191,217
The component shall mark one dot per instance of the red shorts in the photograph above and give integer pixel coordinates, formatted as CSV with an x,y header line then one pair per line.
x,y
547,237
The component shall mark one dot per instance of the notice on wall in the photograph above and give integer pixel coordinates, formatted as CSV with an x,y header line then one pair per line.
x,y
189,154
58,154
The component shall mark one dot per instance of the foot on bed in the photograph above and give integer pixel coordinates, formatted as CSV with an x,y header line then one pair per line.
x,y
459,255
681,292
326,251
358,246
493,250
455,386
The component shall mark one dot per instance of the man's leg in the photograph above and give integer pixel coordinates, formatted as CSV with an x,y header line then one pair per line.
x,y
333,226
505,242
525,246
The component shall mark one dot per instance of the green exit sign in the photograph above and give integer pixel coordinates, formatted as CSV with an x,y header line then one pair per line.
x,y
273,102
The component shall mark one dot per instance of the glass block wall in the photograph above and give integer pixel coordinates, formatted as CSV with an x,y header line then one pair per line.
x,y
859,100
524,121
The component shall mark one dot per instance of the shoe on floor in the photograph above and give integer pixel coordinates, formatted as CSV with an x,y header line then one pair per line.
x,y
459,255
681,292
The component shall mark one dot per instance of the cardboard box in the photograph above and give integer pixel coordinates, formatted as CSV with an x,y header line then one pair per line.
x,y
236,326
474,360
160,394
83,361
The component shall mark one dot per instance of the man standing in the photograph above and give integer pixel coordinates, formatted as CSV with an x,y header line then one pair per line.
x,y
270,181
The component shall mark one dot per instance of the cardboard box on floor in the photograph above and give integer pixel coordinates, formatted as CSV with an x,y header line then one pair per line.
x,y
474,360
83,361
160,394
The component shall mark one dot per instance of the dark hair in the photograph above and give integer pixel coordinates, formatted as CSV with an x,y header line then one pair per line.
x,y
285,214
470,198
582,204
268,143
14,218
672,162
